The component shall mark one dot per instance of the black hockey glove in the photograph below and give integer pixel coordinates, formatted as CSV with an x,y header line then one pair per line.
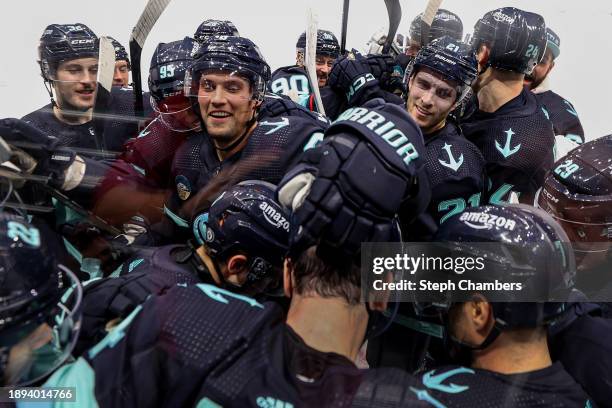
x,y
52,161
351,75
351,187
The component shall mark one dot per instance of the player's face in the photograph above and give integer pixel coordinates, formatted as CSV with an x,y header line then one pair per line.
x,y
324,65
226,106
430,99
540,72
121,77
413,48
75,84
176,112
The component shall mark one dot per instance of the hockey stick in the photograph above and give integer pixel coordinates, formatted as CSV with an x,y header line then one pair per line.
x,y
10,172
345,11
143,27
394,10
106,69
310,59
428,17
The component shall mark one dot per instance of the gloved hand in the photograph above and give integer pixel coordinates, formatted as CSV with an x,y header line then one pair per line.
x,y
381,66
350,74
389,71
51,160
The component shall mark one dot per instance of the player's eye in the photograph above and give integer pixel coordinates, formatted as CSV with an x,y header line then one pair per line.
x,y
207,86
424,85
443,93
233,87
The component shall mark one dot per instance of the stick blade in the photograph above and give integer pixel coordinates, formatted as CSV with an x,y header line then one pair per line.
x,y
394,10
147,20
106,63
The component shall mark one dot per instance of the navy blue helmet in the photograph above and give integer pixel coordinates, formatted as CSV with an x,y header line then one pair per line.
x,y
517,38
453,59
532,249
327,43
209,28
445,23
168,66
246,218
230,54
64,42
120,52
31,287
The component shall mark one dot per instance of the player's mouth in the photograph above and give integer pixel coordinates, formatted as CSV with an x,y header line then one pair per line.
x,y
422,112
219,115
86,94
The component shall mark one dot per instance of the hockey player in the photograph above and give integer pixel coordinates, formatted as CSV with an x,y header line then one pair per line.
x,y
38,328
238,244
503,343
439,79
212,346
577,193
293,80
562,113
510,127
226,84
68,56
121,77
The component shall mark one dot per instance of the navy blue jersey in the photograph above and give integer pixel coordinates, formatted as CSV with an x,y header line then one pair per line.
x,y
273,147
203,346
148,271
99,138
563,116
457,386
517,143
293,82
456,172
584,348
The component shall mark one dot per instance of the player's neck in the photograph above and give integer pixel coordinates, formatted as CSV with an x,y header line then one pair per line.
x,y
497,89
224,154
341,331
72,117
508,356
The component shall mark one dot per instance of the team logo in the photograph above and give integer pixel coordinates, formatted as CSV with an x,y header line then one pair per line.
x,y
503,18
478,220
183,187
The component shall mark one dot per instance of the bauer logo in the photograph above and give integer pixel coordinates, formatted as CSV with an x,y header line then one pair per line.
x,y
274,217
504,18
478,220
386,129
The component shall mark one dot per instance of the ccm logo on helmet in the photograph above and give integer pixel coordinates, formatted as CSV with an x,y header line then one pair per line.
x,y
89,41
384,128
486,221
274,217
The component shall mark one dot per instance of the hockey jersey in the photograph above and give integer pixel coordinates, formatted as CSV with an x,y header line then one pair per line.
x,y
517,143
563,115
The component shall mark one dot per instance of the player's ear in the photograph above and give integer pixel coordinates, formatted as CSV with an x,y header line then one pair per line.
x,y
237,268
288,277
480,313
379,300
483,56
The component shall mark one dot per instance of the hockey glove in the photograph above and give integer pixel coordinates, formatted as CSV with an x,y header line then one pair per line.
x,y
52,161
351,75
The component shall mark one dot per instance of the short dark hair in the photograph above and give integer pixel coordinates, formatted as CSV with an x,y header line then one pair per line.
x,y
313,273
